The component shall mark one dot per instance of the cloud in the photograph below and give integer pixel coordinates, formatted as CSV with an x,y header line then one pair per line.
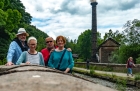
x,y
72,7
72,17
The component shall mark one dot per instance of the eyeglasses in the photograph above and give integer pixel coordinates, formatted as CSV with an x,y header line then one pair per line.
x,y
23,34
48,41
32,44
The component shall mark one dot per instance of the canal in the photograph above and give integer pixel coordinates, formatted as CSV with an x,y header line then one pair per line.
x,y
106,83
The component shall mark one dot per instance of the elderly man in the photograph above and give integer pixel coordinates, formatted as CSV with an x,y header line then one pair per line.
x,y
50,46
17,46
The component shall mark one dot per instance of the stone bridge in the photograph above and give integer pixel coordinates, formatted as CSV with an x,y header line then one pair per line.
x,y
39,78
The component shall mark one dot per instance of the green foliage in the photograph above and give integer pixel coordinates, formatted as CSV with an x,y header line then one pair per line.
x,y
12,22
138,59
13,19
71,44
4,44
99,39
131,32
18,5
3,18
93,67
79,60
91,72
114,35
84,44
2,62
1,5
124,52
79,65
137,76
41,43
127,51
121,84
113,76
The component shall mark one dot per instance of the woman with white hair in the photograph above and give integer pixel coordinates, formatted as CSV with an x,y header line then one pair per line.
x,y
31,56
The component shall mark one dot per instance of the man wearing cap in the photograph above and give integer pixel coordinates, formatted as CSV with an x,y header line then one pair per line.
x,y
17,46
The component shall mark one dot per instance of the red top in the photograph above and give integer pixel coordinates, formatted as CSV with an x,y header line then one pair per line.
x,y
46,54
130,64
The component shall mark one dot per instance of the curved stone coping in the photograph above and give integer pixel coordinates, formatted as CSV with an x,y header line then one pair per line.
x,y
39,78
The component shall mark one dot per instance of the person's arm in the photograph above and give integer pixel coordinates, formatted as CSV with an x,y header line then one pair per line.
x,y
67,70
10,54
71,63
50,62
9,63
22,58
41,59
134,64
69,49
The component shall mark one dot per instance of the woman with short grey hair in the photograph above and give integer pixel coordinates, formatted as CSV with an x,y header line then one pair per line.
x,y
31,56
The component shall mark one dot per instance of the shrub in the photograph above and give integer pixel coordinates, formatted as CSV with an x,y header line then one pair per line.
x,y
137,76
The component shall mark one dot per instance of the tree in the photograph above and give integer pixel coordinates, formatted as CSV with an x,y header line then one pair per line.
x,y
99,39
84,44
130,41
132,32
18,5
117,36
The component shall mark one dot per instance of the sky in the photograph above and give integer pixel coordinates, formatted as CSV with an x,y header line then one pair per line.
x,y
70,18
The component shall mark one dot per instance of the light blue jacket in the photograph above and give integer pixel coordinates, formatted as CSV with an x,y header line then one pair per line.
x,y
67,61
14,52
23,56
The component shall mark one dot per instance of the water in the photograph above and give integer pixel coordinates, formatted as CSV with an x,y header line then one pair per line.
x,y
108,83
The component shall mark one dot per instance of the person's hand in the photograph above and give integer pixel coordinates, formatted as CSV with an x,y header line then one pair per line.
x,y
9,63
27,62
69,49
52,50
134,65
67,70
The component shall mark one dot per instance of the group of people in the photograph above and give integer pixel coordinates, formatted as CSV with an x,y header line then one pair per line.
x,y
57,57
24,52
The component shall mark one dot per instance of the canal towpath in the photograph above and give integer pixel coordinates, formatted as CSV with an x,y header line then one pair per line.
x,y
107,72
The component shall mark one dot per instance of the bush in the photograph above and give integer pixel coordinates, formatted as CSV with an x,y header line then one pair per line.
x,y
3,62
137,76
79,60
92,71
138,60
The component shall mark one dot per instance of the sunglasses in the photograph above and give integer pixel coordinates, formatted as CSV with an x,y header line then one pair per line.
x,y
48,41
32,44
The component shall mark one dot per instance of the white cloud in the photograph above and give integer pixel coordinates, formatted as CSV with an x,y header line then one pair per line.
x,y
71,17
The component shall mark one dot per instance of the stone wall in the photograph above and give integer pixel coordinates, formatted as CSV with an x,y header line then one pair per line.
x,y
108,66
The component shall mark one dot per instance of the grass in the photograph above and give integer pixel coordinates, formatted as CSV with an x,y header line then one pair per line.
x,y
110,77
137,76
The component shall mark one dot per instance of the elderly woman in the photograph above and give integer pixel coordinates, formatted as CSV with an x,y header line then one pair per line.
x,y
31,56
61,58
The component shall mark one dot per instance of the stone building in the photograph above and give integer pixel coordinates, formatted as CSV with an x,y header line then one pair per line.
x,y
106,48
